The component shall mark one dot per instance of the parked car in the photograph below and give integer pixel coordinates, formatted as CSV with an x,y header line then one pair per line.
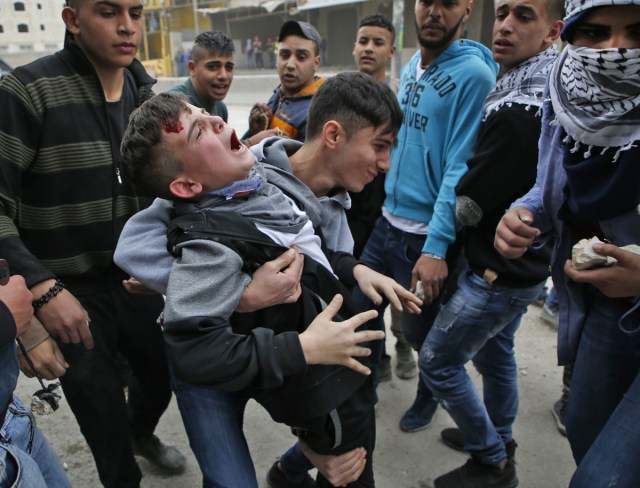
x,y
4,68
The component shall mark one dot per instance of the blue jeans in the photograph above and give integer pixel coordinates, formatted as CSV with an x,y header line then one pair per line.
x,y
213,421
552,299
26,458
478,323
394,253
603,413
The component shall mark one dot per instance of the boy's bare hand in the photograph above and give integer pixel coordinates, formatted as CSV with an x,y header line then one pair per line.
x,y
275,282
515,233
263,134
432,273
135,287
47,359
259,118
328,342
338,470
17,298
373,284
619,280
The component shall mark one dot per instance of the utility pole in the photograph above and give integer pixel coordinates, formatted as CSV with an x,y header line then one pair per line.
x,y
398,25
196,25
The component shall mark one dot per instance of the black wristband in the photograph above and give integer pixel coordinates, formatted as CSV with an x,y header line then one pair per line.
x,y
51,292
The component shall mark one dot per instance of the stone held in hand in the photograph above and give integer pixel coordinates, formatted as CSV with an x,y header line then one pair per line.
x,y
584,257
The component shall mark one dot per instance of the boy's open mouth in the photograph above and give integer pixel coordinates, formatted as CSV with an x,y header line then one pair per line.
x,y
235,142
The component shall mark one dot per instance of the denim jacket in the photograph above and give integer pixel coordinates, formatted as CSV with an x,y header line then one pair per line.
x,y
544,200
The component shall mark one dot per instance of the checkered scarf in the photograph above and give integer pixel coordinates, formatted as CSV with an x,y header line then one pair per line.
x,y
523,84
575,7
596,97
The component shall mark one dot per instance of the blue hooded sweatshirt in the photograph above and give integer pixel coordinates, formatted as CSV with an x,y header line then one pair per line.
x,y
442,115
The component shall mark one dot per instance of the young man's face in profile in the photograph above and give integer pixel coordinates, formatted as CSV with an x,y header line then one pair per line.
x,y
297,63
362,157
210,151
521,29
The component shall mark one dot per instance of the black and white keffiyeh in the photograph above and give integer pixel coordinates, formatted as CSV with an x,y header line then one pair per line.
x,y
523,84
596,97
575,7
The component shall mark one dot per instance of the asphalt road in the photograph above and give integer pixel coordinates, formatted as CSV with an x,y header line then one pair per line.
x,y
401,460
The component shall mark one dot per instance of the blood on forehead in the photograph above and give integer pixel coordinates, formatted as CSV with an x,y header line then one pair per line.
x,y
173,126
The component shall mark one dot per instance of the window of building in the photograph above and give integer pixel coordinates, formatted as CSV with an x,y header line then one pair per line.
x,y
1,29
39,6
23,28
19,6
41,27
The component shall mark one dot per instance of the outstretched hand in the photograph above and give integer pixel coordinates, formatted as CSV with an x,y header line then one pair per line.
x,y
372,284
329,342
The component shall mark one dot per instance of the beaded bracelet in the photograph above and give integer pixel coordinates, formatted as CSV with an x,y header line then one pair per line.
x,y
51,292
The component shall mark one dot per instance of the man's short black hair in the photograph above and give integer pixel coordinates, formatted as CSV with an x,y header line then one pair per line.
x,y
377,20
355,100
212,43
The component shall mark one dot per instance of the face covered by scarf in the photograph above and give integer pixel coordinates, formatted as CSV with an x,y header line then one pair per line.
x,y
595,94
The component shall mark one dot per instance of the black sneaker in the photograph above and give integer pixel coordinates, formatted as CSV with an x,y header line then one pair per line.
x,y
558,414
454,438
277,479
420,414
475,474
158,453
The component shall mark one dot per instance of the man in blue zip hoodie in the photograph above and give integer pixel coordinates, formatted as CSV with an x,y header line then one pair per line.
x,y
442,90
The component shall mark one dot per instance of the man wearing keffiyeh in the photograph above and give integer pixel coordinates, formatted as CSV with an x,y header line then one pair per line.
x,y
479,322
587,185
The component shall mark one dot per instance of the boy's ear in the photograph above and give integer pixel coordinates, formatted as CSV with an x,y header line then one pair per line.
x,y
70,19
186,188
333,134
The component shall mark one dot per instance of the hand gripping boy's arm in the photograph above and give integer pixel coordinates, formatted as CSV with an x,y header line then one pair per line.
x,y
204,289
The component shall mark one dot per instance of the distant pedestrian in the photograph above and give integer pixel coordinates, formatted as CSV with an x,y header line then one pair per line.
x,y
323,51
271,53
249,52
257,52
181,59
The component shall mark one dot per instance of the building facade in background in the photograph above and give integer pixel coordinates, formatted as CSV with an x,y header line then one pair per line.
x,y
30,29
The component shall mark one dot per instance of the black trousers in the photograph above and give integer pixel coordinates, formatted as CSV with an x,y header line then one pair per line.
x,y
352,424
124,324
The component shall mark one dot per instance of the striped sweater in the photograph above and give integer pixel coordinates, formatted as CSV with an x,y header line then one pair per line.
x,y
62,205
